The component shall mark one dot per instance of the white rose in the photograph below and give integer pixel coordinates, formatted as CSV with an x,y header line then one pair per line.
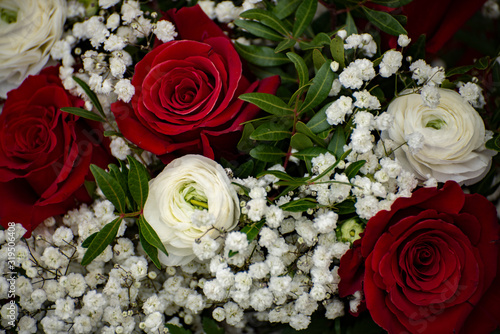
x,y
452,136
185,186
28,29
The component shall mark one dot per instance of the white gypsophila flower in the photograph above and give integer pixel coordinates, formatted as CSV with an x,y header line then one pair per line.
x,y
361,140
326,222
236,241
52,325
365,100
130,10
430,96
403,40
74,284
383,121
119,148
415,141
334,309
363,119
336,112
114,43
226,11
234,314
28,31
336,87
256,209
62,236
424,73
105,4
165,31
491,9
187,184
300,321
82,324
368,46
261,299
358,71
65,308
113,21
219,314
390,64
206,247
453,135
125,90
472,93
53,258
208,8
26,325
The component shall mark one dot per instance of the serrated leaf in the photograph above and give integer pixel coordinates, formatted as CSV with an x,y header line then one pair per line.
x,y
83,113
392,3
86,243
336,145
261,55
285,45
173,329
284,8
300,67
353,169
259,30
110,187
267,153
300,141
269,103
271,131
318,122
304,16
384,21
318,59
337,51
103,238
299,205
93,98
252,230
244,170
309,153
320,88
350,25
210,326
138,179
150,234
267,18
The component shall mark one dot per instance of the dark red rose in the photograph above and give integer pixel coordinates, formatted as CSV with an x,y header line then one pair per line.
x,y
186,92
429,264
44,153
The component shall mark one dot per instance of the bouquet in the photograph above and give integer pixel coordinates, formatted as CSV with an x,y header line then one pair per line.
x,y
249,166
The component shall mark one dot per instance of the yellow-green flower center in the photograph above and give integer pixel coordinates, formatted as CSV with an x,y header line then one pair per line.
x,y
194,196
8,15
435,124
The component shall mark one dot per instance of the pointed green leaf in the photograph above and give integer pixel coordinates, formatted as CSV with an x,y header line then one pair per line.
x,y
284,8
318,122
93,98
318,41
267,18
252,230
346,207
150,234
494,143
103,238
115,172
337,50
336,145
304,16
318,59
285,45
173,329
138,179
267,153
86,243
244,170
392,3
300,66
150,250
279,174
300,141
83,113
309,153
482,63
268,102
271,131
320,88
246,144
299,205
211,327
302,128
109,133
384,21
459,70
350,25
261,55
417,49
110,187
259,30
353,169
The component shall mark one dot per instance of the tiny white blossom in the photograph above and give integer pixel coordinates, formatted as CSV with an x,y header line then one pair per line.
x,y
125,90
165,31
415,141
119,148
430,96
403,40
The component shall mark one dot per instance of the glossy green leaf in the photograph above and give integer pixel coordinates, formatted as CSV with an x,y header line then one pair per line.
x,y
272,131
244,170
118,175
173,329
86,243
459,70
346,207
494,143
300,67
150,250
300,141
279,174
261,55
318,122
304,16
246,144
285,45
252,230
83,113
267,153
318,59
337,51
93,98
353,169
417,49
110,187
384,21
302,128
211,327
259,30
268,102
267,18
336,145
103,238
150,234
109,133
285,8
318,41
309,153
482,63
350,25
138,178
320,88
299,205
392,3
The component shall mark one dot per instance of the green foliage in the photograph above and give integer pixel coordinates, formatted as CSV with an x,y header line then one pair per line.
x,y
384,21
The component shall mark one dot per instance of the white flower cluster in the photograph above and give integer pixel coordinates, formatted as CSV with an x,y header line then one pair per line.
x,y
226,11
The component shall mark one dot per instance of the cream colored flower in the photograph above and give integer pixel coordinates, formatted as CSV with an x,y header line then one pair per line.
x,y
452,135
176,204
28,29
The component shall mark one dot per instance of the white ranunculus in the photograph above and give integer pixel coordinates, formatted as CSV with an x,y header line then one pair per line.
x,y
452,136
178,194
28,29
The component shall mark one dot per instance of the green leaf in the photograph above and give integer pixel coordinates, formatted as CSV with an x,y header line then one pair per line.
x,y
336,145
110,187
109,133
150,250
244,170
138,179
284,8
321,86
337,50
354,168
150,234
103,238
318,41
285,45
267,18
302,128
417,49
384,21
301,67
350,25
494,143
261,55
210,326
299,205
86,243
259,30
304,16
267,153
279,174
318,59
459,70
309,153
392,3
318,122
246,144
268,102
173,329
482,63
83,113
300,141
252,230
346,207
120,176
271,131
93,98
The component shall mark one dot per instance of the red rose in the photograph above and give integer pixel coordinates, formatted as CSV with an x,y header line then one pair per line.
x,y
186,92
44,153
429,264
